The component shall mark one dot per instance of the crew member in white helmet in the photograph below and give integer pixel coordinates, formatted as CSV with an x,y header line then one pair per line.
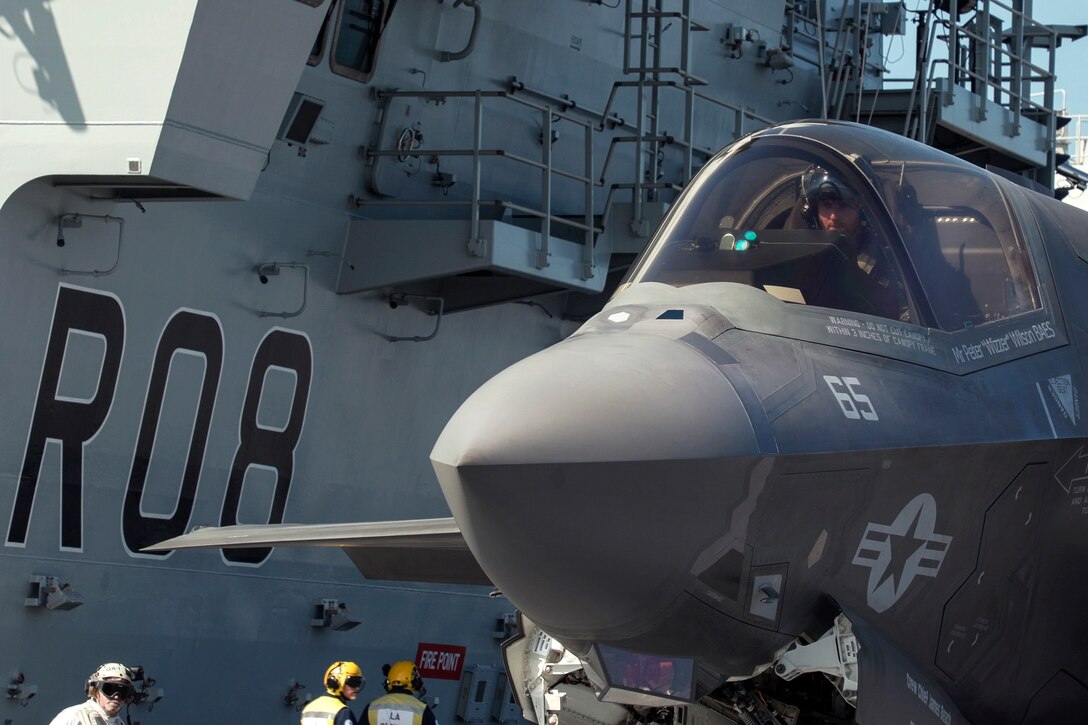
x,y
109,688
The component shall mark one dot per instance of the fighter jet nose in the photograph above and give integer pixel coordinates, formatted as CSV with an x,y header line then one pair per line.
x,y
600,398
580,460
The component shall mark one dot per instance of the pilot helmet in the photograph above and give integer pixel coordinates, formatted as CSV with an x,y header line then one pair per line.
x,y
819,184
341,674
402,674
111,673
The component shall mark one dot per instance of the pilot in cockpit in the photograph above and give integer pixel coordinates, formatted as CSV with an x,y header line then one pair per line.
x,y
830,203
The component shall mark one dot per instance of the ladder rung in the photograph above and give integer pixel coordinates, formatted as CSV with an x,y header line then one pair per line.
x,y
689,79
695,24
660,14
656,69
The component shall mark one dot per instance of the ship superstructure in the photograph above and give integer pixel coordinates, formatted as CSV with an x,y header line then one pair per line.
x,y
256,253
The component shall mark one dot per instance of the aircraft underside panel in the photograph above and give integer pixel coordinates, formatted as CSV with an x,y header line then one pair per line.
x,y
945,554
938,555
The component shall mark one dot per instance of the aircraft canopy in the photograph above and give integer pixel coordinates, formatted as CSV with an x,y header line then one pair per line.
x,y
932,241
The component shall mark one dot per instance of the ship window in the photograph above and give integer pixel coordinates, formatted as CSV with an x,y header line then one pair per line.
x,y
359,28
318,51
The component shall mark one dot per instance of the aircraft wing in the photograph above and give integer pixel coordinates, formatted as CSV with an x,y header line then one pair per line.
x,y
419,550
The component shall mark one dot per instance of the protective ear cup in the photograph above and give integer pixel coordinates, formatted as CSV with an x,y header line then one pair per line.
x,y
334,680
338,674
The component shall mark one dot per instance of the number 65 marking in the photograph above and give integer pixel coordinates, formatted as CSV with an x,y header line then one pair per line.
x,y
854,404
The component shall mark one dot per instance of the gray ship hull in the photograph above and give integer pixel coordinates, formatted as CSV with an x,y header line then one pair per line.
x,y
367,421
196,309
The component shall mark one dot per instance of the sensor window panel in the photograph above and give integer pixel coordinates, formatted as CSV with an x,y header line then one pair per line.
x,y
668,676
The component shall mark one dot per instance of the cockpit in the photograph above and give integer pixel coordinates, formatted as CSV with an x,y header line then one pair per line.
x,y
927,240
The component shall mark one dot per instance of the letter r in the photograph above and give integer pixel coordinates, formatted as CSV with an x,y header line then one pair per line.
x,y
71,422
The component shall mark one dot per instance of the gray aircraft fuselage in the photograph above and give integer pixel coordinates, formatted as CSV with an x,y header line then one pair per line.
x,y
728,454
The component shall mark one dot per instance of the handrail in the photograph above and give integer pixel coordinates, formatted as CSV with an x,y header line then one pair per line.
x,y
1075,140
477,15
266,269
398,298
568,103
477,153
1004,75
1025,70
74,219
643,63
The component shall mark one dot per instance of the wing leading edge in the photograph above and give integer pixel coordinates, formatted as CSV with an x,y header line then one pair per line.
x,y
419,550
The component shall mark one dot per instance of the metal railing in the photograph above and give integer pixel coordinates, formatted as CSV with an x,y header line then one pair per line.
x,y
1074,139
478,153
981,65
991,61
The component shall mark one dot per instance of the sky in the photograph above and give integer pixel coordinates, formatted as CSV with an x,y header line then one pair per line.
x,y
1071,69
1072,57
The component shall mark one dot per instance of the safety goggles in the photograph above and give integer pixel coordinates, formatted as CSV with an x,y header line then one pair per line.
x,y
117,690
353,682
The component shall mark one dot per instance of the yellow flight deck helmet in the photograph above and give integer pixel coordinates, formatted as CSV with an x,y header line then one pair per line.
x,y
402,674
340,674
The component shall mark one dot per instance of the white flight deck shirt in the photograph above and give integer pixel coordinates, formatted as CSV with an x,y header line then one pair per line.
x,y
88,713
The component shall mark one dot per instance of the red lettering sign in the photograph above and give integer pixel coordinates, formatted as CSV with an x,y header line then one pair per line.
x,y
442,661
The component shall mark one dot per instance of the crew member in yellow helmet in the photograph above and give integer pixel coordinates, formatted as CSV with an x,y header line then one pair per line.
x,y
343,681
401,706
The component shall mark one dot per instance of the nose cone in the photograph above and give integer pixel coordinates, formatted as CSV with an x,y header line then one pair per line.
x,y
584,477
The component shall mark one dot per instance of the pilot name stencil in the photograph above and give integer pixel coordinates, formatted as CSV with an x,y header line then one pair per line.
x,y
899,552
1013,339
